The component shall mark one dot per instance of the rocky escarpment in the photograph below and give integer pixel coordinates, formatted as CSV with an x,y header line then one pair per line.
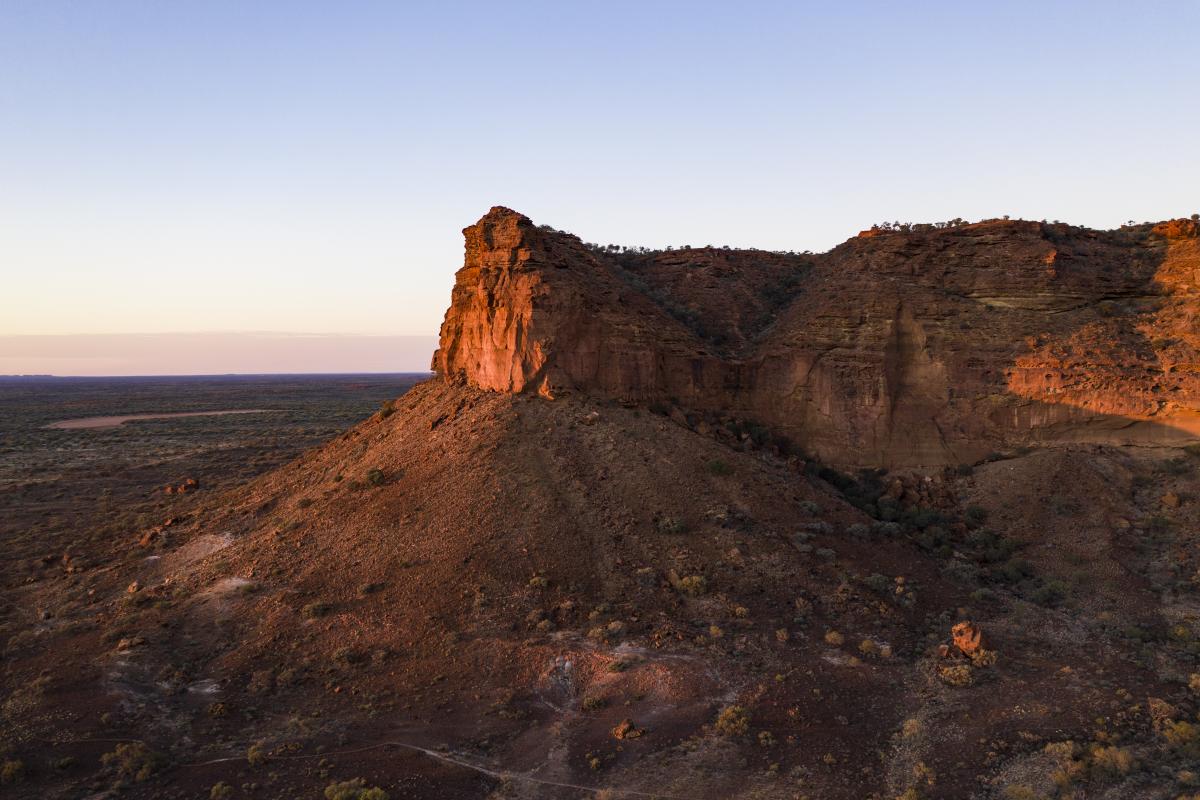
x,y
913,348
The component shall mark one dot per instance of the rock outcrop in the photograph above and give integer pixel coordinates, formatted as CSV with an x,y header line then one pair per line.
x,y
916,348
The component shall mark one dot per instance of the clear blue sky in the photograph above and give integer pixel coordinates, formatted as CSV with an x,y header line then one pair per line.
x,y
306,167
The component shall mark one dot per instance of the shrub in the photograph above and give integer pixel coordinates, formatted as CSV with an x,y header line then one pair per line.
x,y
1110,762
976,515
375,477
387,409
983,595
1020,791
12,771
956,675
834,638
256,755
594,703
318,608
1182,735
1015,571
347,656
133,760
1176,466
732,721
693,585
719,467
887,529
1159,525
880,584
354,790
671,525
1050,593
538,582
920,517
220,791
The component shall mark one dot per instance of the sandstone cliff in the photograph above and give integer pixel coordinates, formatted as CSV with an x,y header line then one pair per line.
x,y
895,348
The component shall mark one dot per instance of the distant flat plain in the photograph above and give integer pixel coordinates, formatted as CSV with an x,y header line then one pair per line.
x,y
113,422
86,458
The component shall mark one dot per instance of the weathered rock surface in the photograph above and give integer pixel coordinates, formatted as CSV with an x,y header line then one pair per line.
x,y
968,638
917,348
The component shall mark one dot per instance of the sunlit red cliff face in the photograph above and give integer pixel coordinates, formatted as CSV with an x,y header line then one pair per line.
x,y
919,348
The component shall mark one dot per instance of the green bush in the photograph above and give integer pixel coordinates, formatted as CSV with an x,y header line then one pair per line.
x,y
732,721
133,760
355,789
1050,593
1015,571
256,755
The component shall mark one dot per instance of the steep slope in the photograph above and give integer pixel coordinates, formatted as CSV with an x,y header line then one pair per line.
x,y
920,348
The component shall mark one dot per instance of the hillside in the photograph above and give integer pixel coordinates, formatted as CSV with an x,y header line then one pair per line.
x,y
621,545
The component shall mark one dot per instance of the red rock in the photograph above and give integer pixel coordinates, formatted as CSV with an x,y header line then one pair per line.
x,y
903,348
968,638
625,729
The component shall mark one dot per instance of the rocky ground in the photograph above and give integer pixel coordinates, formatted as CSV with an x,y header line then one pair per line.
x,y
489,595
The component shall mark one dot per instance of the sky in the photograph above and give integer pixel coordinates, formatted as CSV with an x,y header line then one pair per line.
x,y
295,172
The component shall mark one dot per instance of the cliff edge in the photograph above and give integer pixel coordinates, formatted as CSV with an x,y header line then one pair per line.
x,y
914,348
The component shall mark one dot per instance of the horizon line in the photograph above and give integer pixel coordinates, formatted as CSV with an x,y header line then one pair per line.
x,y
35,376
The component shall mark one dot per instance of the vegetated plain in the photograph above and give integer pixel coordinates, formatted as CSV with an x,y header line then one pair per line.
x,y
63,490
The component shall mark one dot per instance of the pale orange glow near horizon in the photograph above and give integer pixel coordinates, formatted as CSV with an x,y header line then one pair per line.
x,y
212,354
